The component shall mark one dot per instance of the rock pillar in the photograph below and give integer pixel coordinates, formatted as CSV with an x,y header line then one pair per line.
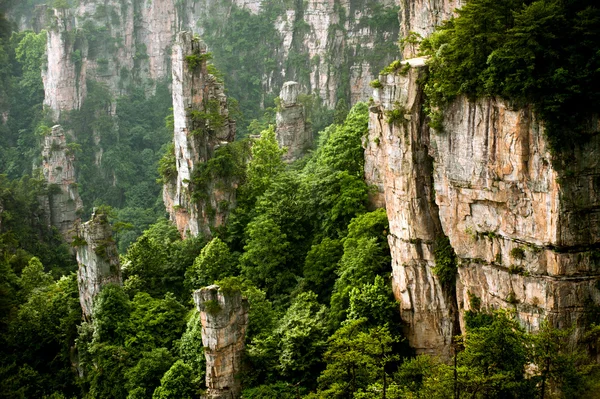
x,y
64,203
224,317
291,131
202,124
97,258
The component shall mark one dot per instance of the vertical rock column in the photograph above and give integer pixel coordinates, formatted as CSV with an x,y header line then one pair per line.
x,y
202,124
65,74
57,165
291,126
98,260
224,317
397,161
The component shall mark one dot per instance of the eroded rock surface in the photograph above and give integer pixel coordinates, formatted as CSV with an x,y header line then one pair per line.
x,y
224,317
421,17
97,258
291,131
397,161
202,124
64,203
64,77
523,225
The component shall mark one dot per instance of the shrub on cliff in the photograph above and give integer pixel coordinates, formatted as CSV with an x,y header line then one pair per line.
x,y
545,53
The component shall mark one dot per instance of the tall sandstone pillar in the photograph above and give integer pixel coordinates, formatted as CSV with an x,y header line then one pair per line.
x,y
522,222
291,131
224,317
98,260
201,125
64,203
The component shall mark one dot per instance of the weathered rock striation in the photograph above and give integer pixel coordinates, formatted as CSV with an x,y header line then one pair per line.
x,y
202,124
291,130
97,258
524,226
64,203
224,317
64,77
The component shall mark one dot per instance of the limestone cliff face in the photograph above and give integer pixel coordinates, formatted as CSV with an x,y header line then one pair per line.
x,y
65,74
291,131
522,225
59,172
224,318
202,124
98,260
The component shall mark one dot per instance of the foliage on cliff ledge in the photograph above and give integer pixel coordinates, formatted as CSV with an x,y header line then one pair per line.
x,y
544,52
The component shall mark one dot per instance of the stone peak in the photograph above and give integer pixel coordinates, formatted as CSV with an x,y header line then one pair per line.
x,y
289,93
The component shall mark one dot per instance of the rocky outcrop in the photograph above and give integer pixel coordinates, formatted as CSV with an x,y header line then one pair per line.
x,y
64,77
97,258
524,226
224,317
58,168
291,131
420,17
202,124
397,161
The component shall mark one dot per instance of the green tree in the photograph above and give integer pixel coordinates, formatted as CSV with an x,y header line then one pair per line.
x,y
356,358
147,373
302,336
33,277
176,383
320,265
111,313
375,303
155,323
265,258
191,350
265,163
214,262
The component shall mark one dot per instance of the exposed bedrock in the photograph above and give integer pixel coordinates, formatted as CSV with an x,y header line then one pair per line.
x,y
64,203
98,260
224,317
202,124
524,226
292,132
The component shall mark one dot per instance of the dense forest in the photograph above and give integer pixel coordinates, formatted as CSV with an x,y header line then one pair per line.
x,y
303,243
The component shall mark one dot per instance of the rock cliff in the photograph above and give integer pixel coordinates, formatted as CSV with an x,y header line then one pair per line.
x,y
64,202
64,77
202,124
97,258
420,17
523,224
333,48
224,317
291,130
